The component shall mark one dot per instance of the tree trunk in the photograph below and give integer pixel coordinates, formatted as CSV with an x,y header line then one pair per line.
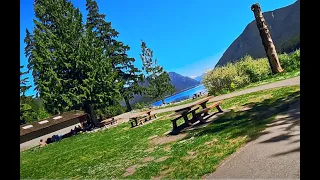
x,y
266,39
89,109
129,108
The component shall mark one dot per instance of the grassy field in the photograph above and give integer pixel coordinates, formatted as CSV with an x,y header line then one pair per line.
x,y
145,152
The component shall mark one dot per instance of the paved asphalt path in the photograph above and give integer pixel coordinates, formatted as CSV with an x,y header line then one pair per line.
x,y
274,155
288,82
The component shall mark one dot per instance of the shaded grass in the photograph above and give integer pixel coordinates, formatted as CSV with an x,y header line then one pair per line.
x,y
107,154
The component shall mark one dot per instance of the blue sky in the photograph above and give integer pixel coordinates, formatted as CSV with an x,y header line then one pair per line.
x,y
187,36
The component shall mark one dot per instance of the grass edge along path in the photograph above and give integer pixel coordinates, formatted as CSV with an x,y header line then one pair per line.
x,y
122,152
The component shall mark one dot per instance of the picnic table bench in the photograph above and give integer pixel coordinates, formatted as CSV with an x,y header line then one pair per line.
x,y
141,118
109,121
184,112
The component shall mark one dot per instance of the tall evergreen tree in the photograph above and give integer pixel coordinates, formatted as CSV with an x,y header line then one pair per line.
x,y
69,69
128,76
25,109
159,80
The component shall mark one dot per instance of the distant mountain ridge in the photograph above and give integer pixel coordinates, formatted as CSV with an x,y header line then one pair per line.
x,y
180,82
199,78
284,26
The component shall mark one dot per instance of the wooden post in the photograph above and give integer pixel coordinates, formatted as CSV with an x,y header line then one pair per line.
x,y
266,39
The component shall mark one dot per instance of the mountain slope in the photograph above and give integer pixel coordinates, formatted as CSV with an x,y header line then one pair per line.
x,y
182,82
198,78
283,24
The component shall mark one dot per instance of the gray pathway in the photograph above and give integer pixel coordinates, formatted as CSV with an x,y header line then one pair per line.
x,y
288,82
274,155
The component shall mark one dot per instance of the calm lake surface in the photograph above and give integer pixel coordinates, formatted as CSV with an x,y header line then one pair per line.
x,y
182,95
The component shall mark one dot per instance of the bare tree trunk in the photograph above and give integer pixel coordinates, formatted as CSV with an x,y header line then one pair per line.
x,y
129,108
89,108
266,39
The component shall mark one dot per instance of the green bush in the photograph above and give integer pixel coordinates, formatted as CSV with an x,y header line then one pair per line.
x,y
110,111
224,79
290,62
140,105
248,70
257,70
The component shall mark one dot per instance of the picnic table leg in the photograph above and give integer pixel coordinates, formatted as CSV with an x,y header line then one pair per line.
x,y
186,120
219,108
132,124
204,105
136,121
194,117
174,125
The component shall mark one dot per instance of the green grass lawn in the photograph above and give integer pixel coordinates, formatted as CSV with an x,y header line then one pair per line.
x,y
108,153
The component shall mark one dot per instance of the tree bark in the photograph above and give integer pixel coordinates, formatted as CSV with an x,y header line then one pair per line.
x,y
89,108
267,42
129,108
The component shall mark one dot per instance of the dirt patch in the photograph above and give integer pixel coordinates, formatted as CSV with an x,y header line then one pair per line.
x,y
167,148
192,155
147,159
167,139
162,159
211,143
152,137
130,170
149,149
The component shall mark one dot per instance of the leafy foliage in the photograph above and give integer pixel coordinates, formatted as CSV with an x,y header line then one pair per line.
x,y
247,70
159,80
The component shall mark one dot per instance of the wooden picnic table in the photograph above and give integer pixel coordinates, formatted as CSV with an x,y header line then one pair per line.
x,y
138,119
191,109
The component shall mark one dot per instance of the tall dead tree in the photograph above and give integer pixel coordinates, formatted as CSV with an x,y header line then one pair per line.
x,y
266,39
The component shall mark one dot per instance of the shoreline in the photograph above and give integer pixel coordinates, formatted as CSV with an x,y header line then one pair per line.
x,y
178,92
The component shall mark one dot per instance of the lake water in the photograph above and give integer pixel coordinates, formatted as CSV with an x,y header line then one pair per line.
x,y
182,95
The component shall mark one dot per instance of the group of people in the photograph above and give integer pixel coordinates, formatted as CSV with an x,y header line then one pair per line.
x,y
86,127
198,95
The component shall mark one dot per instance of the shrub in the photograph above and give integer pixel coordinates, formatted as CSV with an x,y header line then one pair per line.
x,y
247,70
111,111
257,70
140,105
290,62
224,79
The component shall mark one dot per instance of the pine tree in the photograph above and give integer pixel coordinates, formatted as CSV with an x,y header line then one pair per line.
x,y
159,80
26,112
128,76
69,68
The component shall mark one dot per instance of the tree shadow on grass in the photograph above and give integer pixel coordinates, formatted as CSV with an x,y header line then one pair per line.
x,y
249,122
